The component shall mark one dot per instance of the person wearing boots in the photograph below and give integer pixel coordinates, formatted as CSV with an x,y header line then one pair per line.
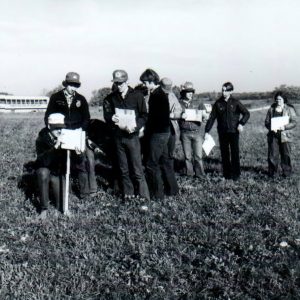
x,y
190,134
76,111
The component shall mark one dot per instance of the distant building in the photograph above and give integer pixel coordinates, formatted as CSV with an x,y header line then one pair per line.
x,y
19,104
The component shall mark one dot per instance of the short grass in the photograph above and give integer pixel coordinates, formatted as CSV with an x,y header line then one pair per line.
x,y
216,240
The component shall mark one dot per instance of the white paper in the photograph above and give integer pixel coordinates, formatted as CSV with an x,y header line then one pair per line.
x,y
278,122
73,139
126,118
193,115
208,144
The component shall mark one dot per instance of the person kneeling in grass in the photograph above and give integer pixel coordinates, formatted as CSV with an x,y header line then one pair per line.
x,y
51,164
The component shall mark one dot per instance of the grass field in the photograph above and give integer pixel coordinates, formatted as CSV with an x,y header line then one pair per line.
x,y
216,240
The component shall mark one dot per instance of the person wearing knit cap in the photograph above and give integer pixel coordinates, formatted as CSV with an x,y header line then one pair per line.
x,y
190,136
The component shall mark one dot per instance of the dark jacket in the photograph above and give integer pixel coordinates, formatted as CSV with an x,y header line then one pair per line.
x,y
133,100
228,115
77,116
159,112
47,156
190,125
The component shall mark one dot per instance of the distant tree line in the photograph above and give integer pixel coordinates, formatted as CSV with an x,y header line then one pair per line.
x,y
292,92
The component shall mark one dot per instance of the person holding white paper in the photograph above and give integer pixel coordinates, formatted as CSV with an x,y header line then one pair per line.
x,y
76,111
126,137
50,164
231,116
191,138
280,135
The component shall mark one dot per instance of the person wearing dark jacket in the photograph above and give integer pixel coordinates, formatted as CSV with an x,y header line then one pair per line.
x,y
228,111
50,164
76,111
279,139
126,137
158,129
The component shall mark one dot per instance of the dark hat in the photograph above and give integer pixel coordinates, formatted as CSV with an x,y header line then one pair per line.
x,y
166,85
149,75
228,86
72,78
187,87
120,76
56,120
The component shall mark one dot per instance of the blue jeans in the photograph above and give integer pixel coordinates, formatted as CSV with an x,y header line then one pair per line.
x,y
276,150
91,170
130,164
192,148
159,159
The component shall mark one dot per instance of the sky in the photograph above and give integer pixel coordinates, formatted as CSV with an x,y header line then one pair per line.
x,y
255,44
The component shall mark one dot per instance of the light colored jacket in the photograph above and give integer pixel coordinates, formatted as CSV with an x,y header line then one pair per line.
x,y
176,109
287,133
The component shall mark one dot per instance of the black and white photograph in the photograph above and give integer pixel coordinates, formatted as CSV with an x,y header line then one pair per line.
x,y
149,149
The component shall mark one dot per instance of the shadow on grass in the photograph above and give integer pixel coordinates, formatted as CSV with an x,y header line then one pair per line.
x,y
28,184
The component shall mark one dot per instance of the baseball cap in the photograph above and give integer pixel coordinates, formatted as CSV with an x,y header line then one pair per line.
x,y
72,78
120,76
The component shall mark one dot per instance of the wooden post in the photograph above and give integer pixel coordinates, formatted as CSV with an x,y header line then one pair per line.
x,y
66,198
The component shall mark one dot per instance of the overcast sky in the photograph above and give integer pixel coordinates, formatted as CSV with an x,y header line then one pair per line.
x,y
255,44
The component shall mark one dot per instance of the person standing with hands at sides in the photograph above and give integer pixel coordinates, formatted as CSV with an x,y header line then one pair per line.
x,y
76,111
231,116
158,128
127,138
175,115
51,163
279,139
190,134
150,81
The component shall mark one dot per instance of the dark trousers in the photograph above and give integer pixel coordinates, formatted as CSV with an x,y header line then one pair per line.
x,y
229,146
47,183
130,165
91,170
159,159
79,164
278,149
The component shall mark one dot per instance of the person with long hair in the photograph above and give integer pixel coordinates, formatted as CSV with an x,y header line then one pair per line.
x,y
279,139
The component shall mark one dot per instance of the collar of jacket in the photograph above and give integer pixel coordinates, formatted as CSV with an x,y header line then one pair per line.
x,y
129,91
186,102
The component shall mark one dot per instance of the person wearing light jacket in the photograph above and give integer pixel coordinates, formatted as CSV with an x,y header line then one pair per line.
x,y
279,139
190,134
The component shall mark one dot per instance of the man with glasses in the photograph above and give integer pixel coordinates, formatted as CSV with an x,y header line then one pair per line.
x,y
76,111
127,137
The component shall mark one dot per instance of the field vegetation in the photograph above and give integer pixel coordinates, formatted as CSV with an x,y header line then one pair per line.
x,y
217,239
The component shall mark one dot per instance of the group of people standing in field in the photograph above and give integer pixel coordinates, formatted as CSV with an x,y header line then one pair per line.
x,y
144,151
